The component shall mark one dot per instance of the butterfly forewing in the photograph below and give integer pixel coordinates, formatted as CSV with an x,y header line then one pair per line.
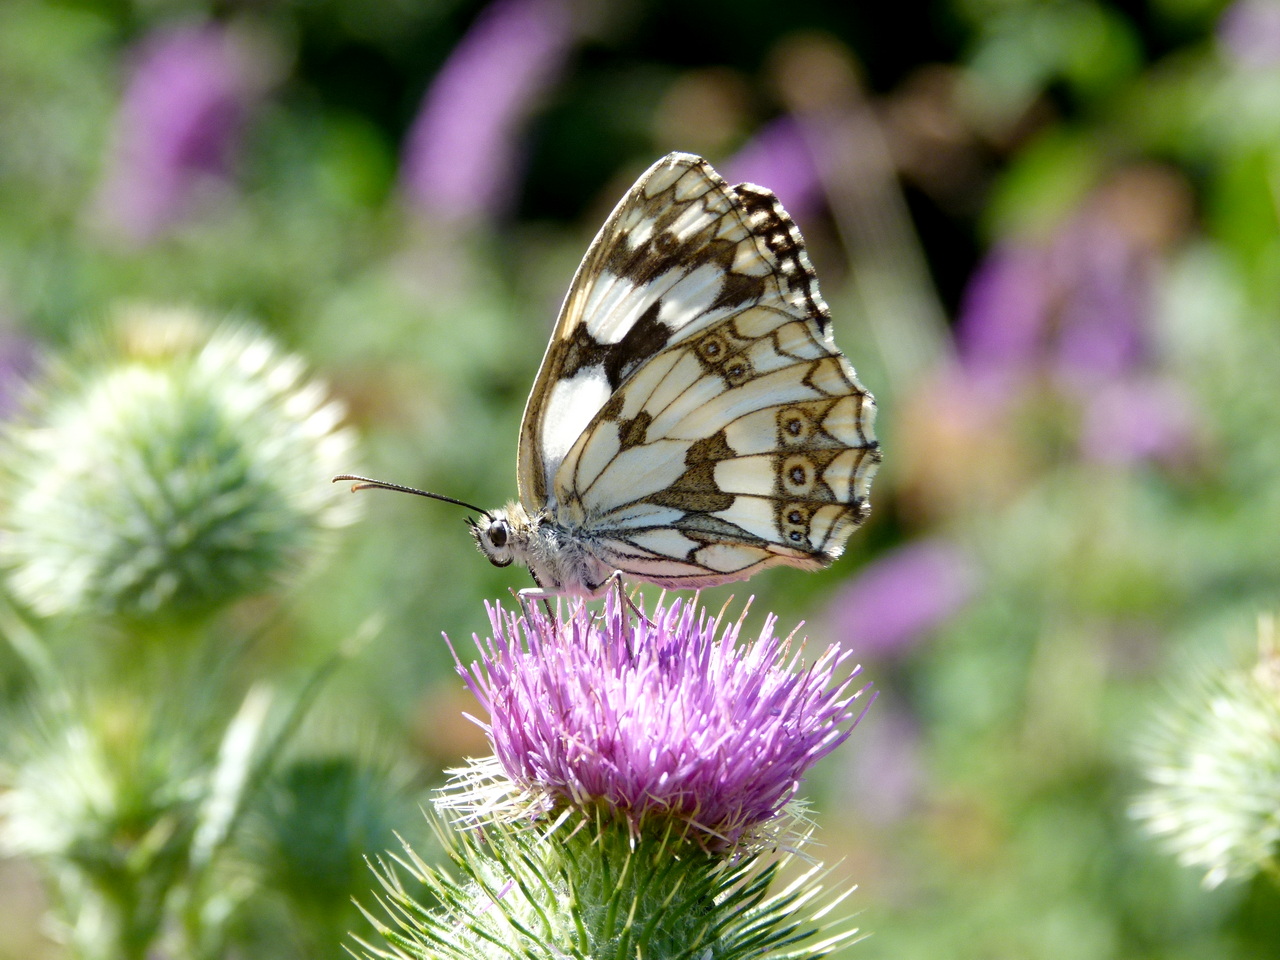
x,y
663,262
692,413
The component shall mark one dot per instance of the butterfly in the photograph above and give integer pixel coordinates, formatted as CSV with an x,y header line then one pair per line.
x,y
693,421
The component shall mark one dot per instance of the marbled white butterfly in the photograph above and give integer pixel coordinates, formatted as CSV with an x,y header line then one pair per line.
x,y
693,421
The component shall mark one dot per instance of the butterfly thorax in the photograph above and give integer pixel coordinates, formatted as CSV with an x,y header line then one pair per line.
x,y
558,555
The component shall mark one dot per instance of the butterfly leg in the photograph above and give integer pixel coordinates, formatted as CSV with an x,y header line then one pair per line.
x,y
615,581
537,593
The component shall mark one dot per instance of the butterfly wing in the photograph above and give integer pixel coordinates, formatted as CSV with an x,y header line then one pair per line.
x,y
693,413
662,266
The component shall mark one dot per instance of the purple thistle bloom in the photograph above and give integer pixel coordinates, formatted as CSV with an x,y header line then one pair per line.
x,y
780,156
902,596
1104,281
189,94
1000,318
1140,419
1076,310
670,718
1249,32
461,155
1076,306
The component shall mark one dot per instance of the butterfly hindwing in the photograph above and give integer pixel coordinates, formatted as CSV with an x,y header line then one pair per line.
x,y
692,411
774,469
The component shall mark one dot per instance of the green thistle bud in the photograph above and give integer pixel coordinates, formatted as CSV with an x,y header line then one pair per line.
x,y
1213,761
170,469
312,832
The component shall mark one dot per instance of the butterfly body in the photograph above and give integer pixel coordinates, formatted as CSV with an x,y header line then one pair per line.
x,y
559,555
693,421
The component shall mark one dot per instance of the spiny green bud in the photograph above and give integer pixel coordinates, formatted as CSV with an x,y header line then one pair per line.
x,y
1212,759
169,468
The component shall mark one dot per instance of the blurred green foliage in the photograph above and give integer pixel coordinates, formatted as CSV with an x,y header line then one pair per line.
x,y
1078,396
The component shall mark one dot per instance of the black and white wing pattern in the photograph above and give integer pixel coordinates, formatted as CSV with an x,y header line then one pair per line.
x,y
693,421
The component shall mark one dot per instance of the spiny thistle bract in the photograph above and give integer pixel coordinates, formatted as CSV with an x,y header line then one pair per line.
x,y
665,717
587,887
168,468
1212,759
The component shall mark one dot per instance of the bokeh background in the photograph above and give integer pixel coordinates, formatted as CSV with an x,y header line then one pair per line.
x,y
1048,231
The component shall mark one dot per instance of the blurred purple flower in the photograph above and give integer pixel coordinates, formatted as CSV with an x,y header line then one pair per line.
x,y
1103,321
17,362
884,772
1076,306
1003,309
779,157
667,718
180,125
896,600
462,152
1249,32
1139,419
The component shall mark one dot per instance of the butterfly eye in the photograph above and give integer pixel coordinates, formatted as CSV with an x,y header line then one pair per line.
x,y
498,535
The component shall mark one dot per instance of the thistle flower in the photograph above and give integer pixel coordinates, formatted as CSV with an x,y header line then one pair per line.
x,y
171,469
1212,759
903,595
656,750
126,795
1139,419
1075,312
1249,34
669,718
461,155
190,93
1077,306
780,156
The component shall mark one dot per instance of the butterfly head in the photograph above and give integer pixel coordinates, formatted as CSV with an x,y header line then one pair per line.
x,y
502,535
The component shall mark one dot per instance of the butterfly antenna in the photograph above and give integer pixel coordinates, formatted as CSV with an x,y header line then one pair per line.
x,y
365,483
